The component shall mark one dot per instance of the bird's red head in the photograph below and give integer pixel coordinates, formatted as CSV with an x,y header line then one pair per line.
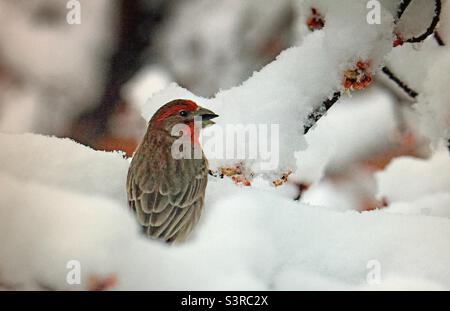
x,y
181,111
174,108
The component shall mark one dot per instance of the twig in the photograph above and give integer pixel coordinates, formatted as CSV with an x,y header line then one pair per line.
x,y
438,38
402,8
215,174
400,83
320,111
432,27
434,22
430,30
302,188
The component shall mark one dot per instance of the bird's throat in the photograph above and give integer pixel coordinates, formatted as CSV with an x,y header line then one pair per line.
x,y
194,133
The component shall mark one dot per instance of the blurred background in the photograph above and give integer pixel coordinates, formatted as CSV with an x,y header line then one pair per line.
x,y
87,81
84,80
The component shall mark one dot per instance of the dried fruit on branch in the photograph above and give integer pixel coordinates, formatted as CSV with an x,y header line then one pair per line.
x,y
398,40
316,21
281,181
359,77
241,179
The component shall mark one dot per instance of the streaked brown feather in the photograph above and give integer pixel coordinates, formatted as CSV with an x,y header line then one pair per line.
x,y
166,194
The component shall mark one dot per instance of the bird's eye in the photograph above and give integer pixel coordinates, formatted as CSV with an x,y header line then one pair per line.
x,y
183,113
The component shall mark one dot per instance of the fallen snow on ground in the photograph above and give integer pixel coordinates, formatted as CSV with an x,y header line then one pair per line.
x,y
248,238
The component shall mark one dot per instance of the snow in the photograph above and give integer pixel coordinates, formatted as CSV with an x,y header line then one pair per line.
x,y
61,165
424,67
433,104
43,227
431,205
148,81
428,78
403,61
62,201
419,11
288,89
408,179
444,24
332,146
269,241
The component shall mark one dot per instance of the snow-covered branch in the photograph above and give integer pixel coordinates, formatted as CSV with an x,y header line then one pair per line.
x,y
344,56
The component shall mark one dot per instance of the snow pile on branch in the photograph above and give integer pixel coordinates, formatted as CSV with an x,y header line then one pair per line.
x,y
419,187
286,91
416,19
43,226
424,65
350,132
407,179
403,60
428,78
434,102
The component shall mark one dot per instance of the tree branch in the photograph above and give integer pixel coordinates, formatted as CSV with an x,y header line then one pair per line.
x,y
434,22
402,8
430,30
413,94
432,27
438,38
319,112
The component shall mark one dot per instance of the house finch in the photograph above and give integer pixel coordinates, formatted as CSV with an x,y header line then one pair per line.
x,y
166,192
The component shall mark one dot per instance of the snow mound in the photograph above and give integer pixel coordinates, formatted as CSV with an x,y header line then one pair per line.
x,y
249,238
59,166
407,179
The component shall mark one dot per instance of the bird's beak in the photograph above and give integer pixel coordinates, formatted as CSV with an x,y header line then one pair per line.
x,y
206,115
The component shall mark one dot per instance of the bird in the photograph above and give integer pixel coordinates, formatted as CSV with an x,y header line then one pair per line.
x,y
166,192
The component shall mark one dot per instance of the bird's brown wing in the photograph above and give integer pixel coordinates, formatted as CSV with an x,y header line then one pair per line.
x,y
167,199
